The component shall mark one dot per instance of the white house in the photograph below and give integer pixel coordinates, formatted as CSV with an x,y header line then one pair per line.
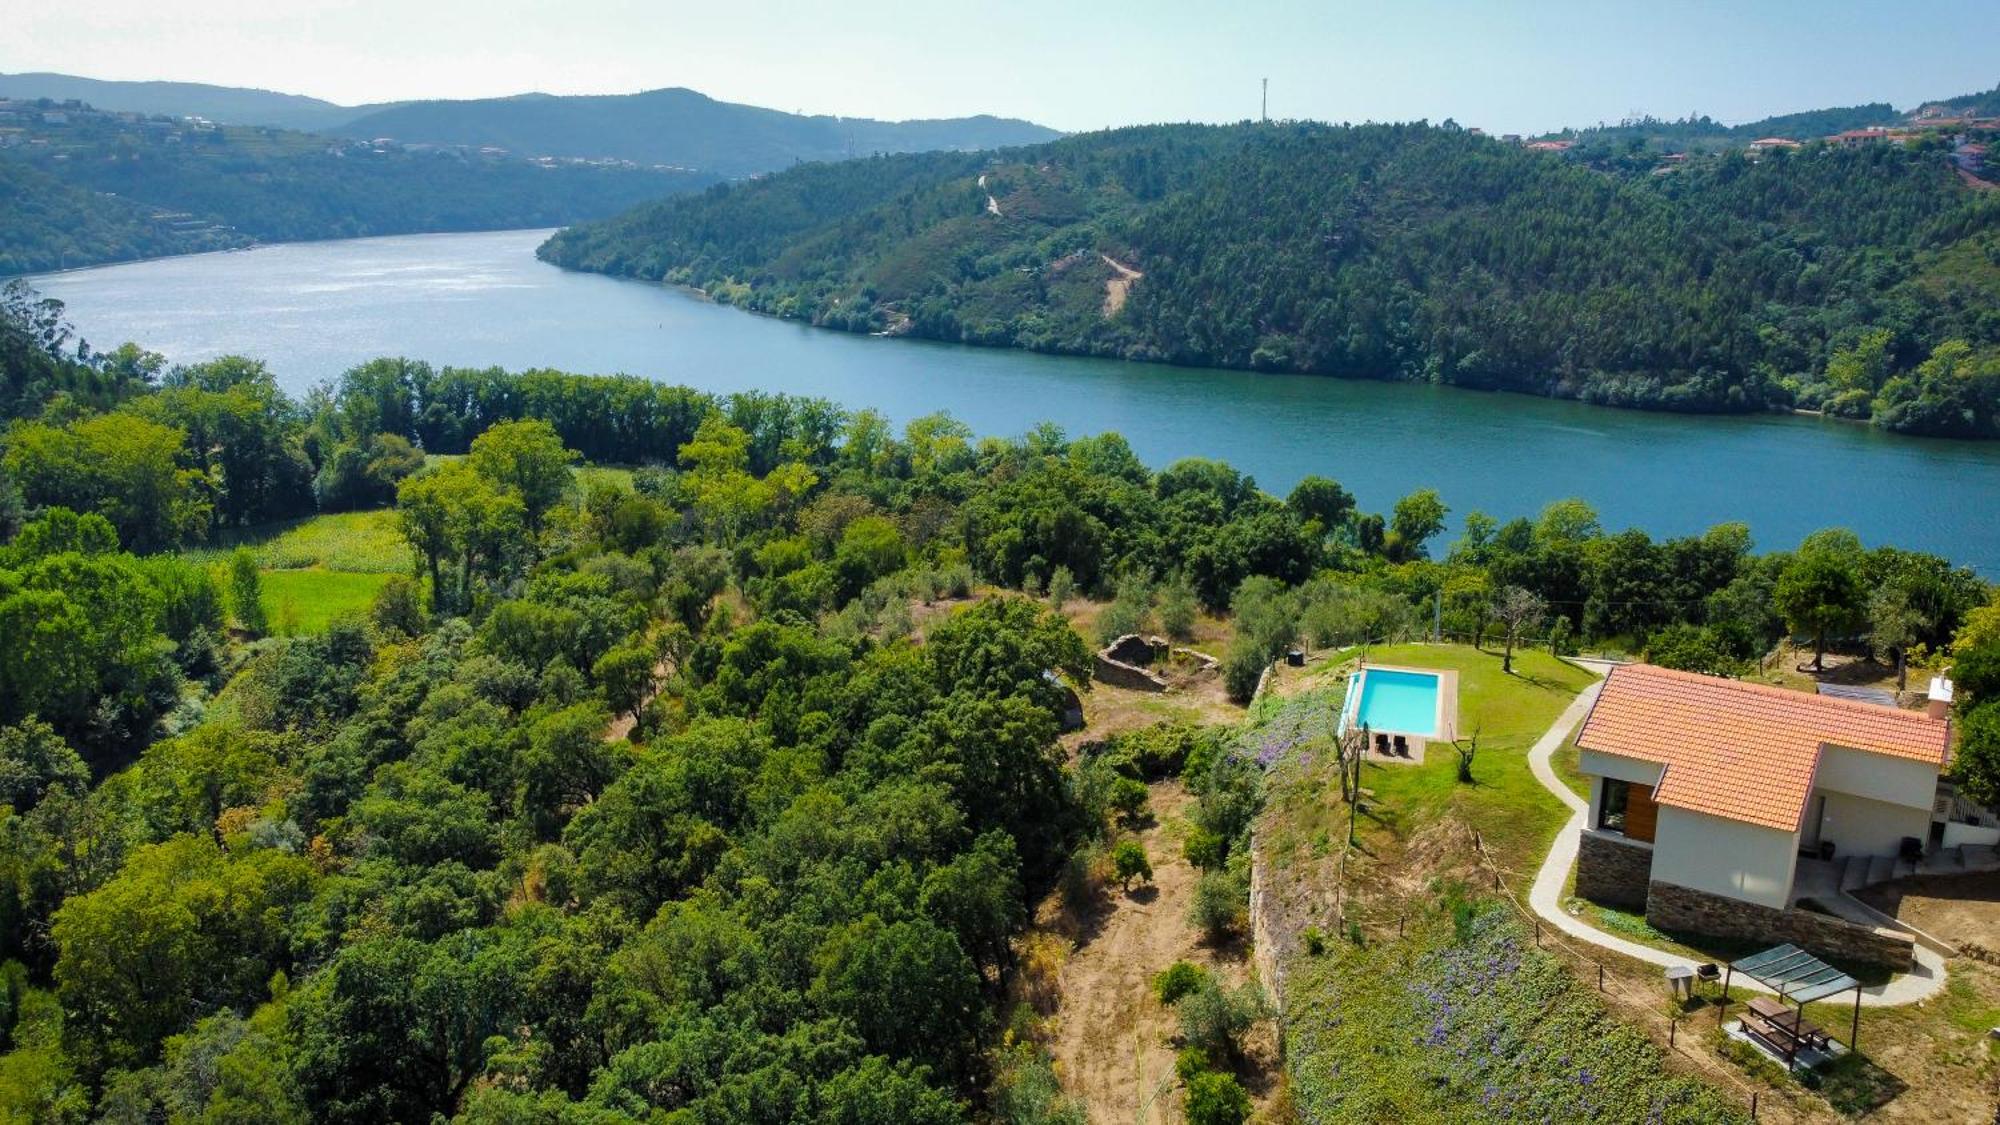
x,y
1705,792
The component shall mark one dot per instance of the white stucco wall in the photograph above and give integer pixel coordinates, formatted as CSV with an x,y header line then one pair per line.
x,y
1898,781
1624,769
1724,857
1860,826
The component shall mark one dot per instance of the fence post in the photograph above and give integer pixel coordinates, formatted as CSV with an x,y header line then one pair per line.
x,y
1753,1105
1538,933
1673,1030
1600,976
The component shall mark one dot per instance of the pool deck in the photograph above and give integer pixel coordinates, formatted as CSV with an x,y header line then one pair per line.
x,y
1447,714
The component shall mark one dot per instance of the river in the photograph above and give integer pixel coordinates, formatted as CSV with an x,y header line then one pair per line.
x,y
311,310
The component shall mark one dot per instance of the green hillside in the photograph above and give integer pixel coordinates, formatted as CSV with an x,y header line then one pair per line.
x,y
677,127
1384,251
79,186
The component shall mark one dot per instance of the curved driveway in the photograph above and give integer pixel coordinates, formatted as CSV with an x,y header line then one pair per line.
x,y
1545,897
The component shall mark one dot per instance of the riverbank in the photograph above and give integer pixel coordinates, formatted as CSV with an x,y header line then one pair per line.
x,y
312,310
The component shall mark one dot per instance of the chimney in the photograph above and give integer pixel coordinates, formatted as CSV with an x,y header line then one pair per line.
x,y
1939,706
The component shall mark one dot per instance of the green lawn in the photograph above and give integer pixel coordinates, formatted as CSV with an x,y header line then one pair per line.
x,y
306,601
1516,817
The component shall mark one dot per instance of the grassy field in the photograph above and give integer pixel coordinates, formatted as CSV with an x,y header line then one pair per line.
x,y
356,542
299,602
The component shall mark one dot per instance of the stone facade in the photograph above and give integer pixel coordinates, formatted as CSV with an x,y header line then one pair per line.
x,y
1612,871
1671,907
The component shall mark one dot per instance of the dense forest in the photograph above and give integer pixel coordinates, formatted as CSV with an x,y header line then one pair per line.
x,y
715,792
96,187
46,223
1700,132
1859,280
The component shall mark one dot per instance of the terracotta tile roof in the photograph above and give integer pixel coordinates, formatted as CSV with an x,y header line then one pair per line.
x,y
1743,751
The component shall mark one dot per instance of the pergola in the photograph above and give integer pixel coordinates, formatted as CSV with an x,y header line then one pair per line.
x,y
1799,979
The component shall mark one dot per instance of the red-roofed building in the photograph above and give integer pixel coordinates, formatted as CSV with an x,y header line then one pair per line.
x,y
1705,793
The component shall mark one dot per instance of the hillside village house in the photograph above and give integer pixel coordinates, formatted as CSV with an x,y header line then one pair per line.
x,y
1706,792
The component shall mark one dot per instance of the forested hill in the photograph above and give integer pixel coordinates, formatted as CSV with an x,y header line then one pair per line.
x,y
79,186
232,105
1863,280
678,127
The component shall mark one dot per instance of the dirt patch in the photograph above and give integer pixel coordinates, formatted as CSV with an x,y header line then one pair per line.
x,y
1119,285
1962,909
1112,1040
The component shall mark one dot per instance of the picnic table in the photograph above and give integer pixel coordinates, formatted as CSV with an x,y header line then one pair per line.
x,y
1785,1028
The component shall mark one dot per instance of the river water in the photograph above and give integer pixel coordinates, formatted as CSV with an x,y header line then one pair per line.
x,y
313,309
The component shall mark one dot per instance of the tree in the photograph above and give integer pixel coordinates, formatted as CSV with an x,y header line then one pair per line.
x,y
1129,862
527,457
246,593
34,760
1894,624
1318,498
625,675
122,467
1976,767
1417,518
1820,593
1519,610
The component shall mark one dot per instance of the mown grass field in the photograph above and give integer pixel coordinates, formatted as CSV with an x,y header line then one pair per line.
x,y
1516,817
301,602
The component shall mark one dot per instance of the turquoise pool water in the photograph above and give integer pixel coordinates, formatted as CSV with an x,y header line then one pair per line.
x,y
1398,702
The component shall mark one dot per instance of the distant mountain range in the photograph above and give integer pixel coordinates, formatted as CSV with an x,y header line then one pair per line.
x,y
679,127
676,127
228,105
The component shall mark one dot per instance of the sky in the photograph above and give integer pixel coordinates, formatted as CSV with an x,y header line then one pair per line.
x,y
1084,64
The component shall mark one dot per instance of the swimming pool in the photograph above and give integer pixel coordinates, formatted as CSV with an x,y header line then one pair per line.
x,y
1393,700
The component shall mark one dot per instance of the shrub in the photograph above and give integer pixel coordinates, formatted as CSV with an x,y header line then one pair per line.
x,y
1178,609
1128,798
1062,588
1214,1018
1130,611
1215,1098
1191,1063
1204,849
1241,670
1218,907
1177,980
1314,940
1129,860
1083,878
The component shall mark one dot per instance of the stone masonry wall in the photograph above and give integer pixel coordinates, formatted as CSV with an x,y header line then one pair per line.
x,y
1672,907
1613,872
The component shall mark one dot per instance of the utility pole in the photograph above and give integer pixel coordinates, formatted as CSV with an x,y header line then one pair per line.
x,y
1265,112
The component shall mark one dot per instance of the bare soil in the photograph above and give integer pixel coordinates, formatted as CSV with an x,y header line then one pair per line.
x,y
1119,286
1962,909
1113,1042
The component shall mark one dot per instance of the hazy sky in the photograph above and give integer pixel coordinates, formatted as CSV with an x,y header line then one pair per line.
x,y
1077,65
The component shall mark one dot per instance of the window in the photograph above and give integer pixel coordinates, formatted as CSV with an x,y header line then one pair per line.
x,y
1611,810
